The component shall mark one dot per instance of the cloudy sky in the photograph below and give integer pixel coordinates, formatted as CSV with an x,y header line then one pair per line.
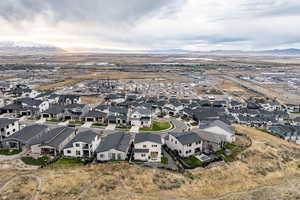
x,y
153,24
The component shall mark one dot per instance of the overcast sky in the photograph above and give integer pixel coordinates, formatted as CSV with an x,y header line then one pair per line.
x,y
153,24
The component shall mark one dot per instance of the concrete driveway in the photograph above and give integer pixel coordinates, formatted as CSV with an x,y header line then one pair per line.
x,y
134,129
111,127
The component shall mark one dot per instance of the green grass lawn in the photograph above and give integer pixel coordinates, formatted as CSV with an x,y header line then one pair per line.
x,y
297,113
76,123
8,152
164,160
193,161
67,162
98,125
158,126
53,121
194,124
37,162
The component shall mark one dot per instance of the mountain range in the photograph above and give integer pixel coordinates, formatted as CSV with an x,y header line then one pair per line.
x,y
36,48
27,48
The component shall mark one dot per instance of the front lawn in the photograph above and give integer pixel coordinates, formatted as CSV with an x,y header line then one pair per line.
x,y
8,152
158,126
37,162
55,121
67,162
192,161
76,123
98,125
123,127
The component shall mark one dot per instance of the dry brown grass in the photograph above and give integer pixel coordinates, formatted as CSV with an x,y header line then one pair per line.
x,y
91,100
269,161
269,167
21,188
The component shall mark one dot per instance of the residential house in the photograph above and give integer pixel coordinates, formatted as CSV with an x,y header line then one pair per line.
x,y
141,117
147,147
287,132
114,147
219,127
55,112
211,142
8,127
118,115
185,143
40,105
83,145
94,116
68,99
74,112
25,92
54,141
23,138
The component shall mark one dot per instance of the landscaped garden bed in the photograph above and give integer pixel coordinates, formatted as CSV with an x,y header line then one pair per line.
x,y
36,162
8,152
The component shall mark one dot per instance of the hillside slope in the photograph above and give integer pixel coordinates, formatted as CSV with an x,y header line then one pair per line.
x,y
269,169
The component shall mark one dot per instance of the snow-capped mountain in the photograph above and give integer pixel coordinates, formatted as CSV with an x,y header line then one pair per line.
x,y
27,47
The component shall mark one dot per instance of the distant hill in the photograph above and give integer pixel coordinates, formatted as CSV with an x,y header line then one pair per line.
x,y
21,47
279,52
264,52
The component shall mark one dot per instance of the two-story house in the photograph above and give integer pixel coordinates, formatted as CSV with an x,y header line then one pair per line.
x,y
83,145
147,147
185,143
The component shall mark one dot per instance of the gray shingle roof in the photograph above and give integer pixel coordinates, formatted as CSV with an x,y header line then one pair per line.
x,y
186,137
6,121
220,124
28,132
147,137
86,137
57,135
117,141
95,114
55,109
210,137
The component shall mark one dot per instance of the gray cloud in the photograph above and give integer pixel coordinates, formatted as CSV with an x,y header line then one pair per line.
x,y
155,23
97,11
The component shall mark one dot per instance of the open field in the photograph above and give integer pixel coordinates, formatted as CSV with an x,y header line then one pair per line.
x,y
122,76
268,169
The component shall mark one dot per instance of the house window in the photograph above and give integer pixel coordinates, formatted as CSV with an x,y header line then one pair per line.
x,y
77,145
144,146
154,145
68,151
175,142
14,130
143,155
101,155
78,153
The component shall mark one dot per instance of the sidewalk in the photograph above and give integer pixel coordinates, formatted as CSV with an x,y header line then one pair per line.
x,y
111,127
134,129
